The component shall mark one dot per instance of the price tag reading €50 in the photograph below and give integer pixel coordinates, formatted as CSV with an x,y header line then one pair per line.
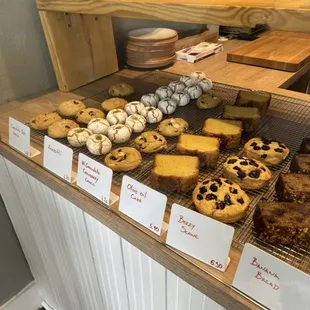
x,y
143,204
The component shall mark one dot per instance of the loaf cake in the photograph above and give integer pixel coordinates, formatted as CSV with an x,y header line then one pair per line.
x,y
283,222
206,148
253,99
250,117
301,164
176,173
293,187
228,131
305,146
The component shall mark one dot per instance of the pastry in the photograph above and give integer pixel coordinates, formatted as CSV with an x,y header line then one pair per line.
x,y
205,85
152,114
150,100
187,80
121,90
176,86
248,173
250,117
305,146
283,222
99,125
301,164
207,101
163,92
116,116
167,106
167,175
43,121
172,127
293,187
150,142
269,152
207,149
98,144
221,199
198,75
181,98
113,103
61,128
136,122
84,116
78,136
194,91
123,159
119,133
228,131
134,107
70,108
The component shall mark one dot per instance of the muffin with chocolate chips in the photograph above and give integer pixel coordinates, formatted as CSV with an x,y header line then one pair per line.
x,y
221,199
269,152
248,173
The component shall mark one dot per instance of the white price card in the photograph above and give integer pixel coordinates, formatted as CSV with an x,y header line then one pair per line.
x,y
200,236
58,159
272,282
143,204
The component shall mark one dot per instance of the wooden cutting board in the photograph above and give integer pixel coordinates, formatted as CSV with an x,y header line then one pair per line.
x,y
285,51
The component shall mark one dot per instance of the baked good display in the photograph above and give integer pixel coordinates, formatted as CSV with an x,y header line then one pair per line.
x,y
301,164
119,133
61,128
152,114
99,125
134,107
198,75
250,117
207,149
248,173
173,127
269,152
123,159
113,103
176,86
150,142
121,90
136,122
228,131
207,101
194,91
116,116
205,85
163,92
283,222
293,187
175,173
167,106
70,108
84,116
256,99
78,136
305,146
181,98
188,80
150,100
98,144
44,120
221,199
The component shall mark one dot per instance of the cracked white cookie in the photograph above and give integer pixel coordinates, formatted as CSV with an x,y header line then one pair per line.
x,y
136,122
117,116
78,136
167,106
119,133
152,114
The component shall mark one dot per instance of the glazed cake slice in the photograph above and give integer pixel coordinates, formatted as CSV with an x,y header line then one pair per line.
x,y
301,164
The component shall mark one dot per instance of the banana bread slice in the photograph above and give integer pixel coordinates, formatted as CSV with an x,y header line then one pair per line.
x,y
301,164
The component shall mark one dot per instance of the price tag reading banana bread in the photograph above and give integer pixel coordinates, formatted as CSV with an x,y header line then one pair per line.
x,y
200,236
19,136
271,281
143,204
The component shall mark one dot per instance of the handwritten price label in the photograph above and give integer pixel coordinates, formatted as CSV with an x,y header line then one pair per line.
x,y
216,264
154,227
19,136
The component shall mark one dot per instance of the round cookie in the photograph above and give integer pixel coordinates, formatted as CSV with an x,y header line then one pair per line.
x,y
176,86
248,173
136,122
134,107
163,92
221,199
86,115
269,152
98,125
113,103
117,116
150,142
182,98
152,115
78,136
173,127
187,80
98,144
150,100
119,133
123,159
167,106
61,128
205,85
198,75
207,101
70,108
43,121
121,90
194,91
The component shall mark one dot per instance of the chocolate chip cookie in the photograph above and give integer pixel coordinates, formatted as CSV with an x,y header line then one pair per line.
x,y
113,103
61,128
70,108
85,115
173,127
44,120
121,90
207,101
150,142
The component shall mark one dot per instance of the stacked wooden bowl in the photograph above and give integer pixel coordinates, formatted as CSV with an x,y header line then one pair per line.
x,y
151,47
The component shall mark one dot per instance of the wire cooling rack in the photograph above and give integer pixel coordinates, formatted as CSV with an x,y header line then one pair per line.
x,y
287,120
